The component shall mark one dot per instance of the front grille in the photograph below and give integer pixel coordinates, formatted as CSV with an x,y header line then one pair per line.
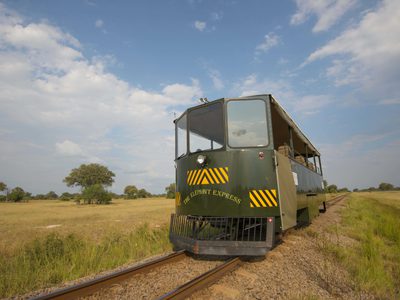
x,y
250,229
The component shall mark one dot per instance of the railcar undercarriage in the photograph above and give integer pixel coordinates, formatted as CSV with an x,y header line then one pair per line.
x,y
253,236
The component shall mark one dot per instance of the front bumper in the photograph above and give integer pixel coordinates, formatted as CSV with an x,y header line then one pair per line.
x,y
243,236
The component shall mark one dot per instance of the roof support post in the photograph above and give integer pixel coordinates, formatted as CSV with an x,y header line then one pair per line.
x,y
291,141
320,166
315,162
306,154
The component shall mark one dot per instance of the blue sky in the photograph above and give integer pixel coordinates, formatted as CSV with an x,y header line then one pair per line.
x,y
99,81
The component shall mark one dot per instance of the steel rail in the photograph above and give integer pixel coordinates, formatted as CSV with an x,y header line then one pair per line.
x,y
92,286
336,199
201,281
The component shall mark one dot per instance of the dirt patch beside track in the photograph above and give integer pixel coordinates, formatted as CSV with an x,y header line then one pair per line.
x,y
298,268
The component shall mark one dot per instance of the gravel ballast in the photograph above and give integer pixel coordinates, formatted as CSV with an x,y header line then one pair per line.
x,y
295,269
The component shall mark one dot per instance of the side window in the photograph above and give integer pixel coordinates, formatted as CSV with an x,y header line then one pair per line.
x,y
181,126
247,123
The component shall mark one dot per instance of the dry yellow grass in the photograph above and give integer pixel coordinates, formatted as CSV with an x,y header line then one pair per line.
x,y
22,222
391,198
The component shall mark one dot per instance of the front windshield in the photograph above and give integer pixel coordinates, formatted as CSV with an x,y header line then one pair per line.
x,y
247,123
206,128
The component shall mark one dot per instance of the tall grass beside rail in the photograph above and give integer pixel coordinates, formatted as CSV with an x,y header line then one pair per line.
x,y
373,222
57,258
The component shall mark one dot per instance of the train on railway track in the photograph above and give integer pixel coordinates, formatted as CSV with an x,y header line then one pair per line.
x,y
245,173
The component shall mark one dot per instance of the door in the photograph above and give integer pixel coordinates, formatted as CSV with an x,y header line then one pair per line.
x,y
286,191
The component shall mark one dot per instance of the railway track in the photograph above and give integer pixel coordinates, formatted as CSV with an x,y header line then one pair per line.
x,y
335,200
96,285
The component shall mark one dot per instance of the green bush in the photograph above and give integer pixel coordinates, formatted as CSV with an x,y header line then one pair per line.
x,y
66,196
96,194
17,194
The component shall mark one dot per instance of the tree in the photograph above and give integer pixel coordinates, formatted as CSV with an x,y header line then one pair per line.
x,y
66,196
170,190
355,190
89,175
96,194
386,186
325,186
51,195
17,194
131,192
3,188
332,188
142,193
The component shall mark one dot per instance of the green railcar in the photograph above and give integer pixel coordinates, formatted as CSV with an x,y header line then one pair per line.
x,y
244,174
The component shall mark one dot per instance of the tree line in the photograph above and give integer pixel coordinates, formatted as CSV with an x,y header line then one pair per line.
x,y
383,186
93,180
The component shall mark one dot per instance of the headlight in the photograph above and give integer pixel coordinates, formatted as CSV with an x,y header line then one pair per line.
x,y
201,160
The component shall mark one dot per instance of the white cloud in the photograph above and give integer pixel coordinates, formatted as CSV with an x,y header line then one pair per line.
x,y
69,148
367,54
52,95
390,101
328,12
215,76
311,104
303,105
199,25
270,40
217,16
99,23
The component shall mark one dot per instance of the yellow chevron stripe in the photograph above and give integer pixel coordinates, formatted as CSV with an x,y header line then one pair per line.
x,y
209,178
271,197
205,180
265,197
192,178
196,176
224,173
259,198
251,205
254,201
201,179
219,175
213,175
189,176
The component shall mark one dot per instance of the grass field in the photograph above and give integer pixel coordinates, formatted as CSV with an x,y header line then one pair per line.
x,y
48,242
44,243
23,222
371,220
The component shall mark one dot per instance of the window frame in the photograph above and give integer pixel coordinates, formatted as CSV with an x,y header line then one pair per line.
x,y
267,122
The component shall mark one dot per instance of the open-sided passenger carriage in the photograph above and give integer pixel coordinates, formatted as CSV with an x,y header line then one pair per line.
x,y
244,173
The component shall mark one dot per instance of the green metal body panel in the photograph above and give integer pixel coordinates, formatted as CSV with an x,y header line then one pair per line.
x,y
246,171
287,191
